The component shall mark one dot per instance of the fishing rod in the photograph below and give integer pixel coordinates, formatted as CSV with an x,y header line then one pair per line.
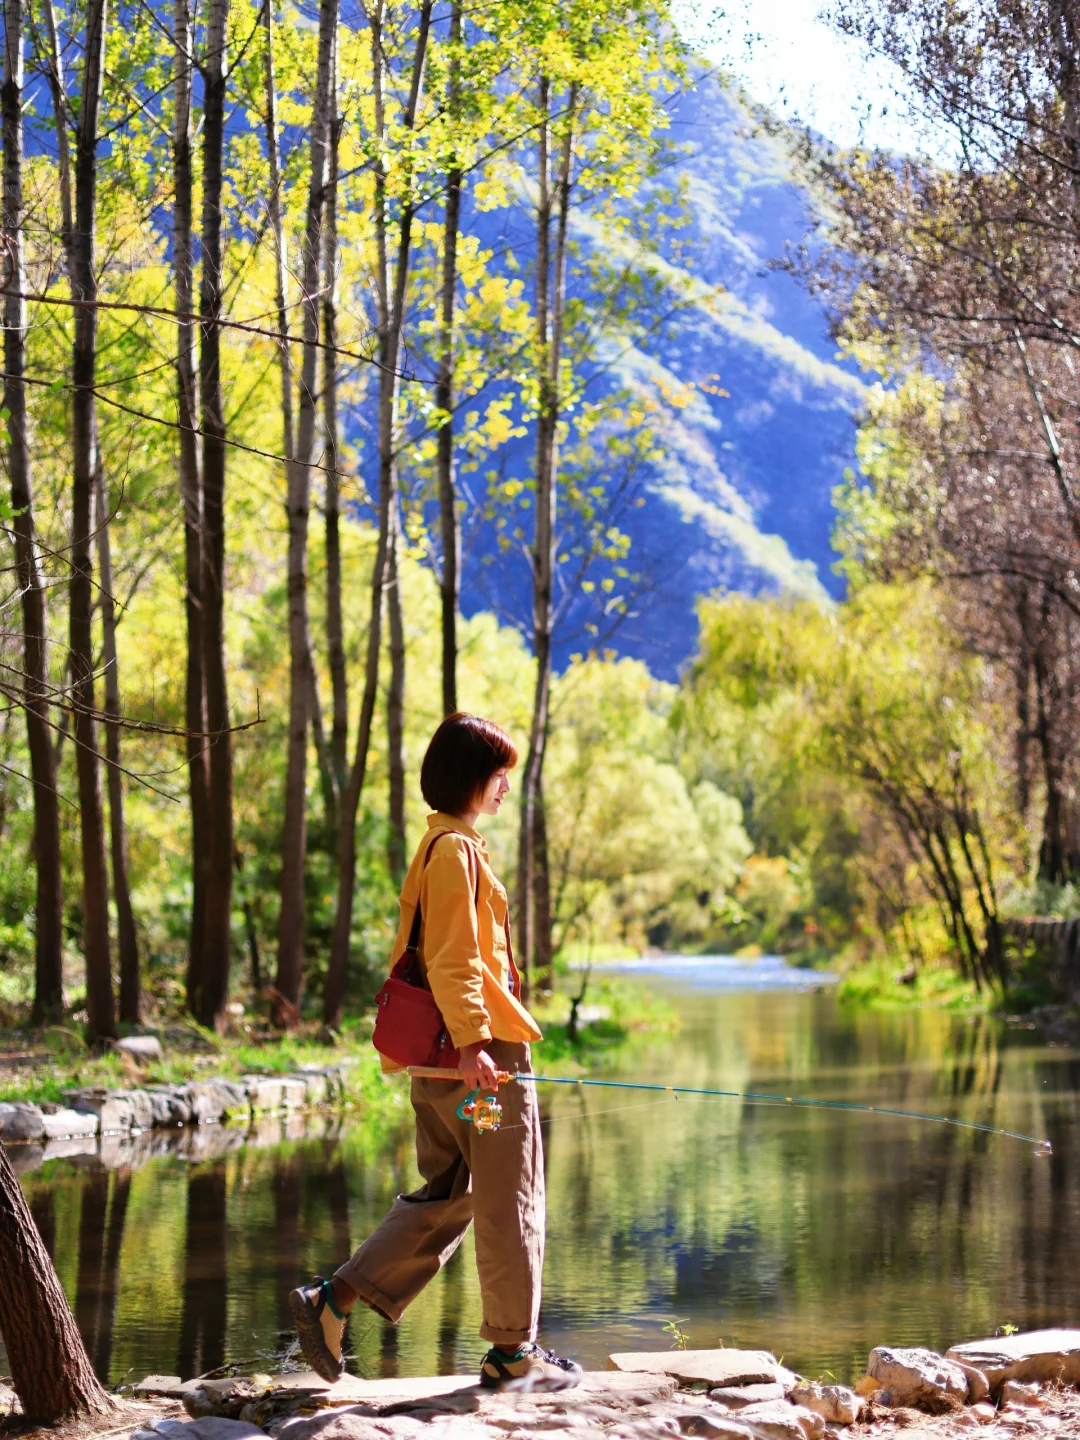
x,y
484,1111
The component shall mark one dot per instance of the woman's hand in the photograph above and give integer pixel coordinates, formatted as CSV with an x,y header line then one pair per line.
x,y
477,1067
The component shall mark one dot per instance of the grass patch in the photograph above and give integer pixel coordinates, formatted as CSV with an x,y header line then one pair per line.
x,y
874,985
617,1018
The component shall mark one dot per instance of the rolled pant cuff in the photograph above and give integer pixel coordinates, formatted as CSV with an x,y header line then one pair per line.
x,y
507,1339
374,1299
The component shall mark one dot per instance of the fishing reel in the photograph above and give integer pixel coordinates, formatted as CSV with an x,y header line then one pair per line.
x,y
483,1112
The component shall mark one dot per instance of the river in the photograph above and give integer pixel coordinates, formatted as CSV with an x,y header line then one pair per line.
x,y
812,1233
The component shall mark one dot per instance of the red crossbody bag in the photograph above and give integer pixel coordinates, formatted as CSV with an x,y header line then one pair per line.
x,y
409,1026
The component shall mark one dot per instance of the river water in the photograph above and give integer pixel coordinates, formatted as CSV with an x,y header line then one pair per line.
x,y
813,1233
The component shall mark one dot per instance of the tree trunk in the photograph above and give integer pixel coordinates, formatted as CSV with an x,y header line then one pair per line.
x,y
50,1369
127,936
290,966
335,628
550,304
187,406
49,935
444,393
100,1008
395,715
543,950
391,306
214,987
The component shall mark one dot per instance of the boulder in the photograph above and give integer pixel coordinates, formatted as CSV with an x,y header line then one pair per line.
x,y
978,1384
63,1124
777,1420
168,1385
715,1367
20,1122
712,1425
264,1093
1015,1392
206,1427
112,1107
1036,1355
205,1102
144,1049
836,1404
983,1412
161,1104
734,1397
918,1378
294,1095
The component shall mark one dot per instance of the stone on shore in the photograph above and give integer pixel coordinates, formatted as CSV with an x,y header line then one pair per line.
x,y
1034,1356
836,1404
734,1397
20,1122
917,1378
777,1420
715,1367
143,1048
207,1427
978,1384
65,1124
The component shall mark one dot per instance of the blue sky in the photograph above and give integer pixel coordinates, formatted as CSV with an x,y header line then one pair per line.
x,y
789,58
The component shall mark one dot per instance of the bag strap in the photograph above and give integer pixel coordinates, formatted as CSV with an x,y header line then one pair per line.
x,y
414,933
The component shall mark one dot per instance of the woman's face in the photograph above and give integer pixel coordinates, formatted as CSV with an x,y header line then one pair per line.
x,y
494,793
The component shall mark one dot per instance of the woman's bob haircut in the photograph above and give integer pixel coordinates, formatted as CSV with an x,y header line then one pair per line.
x,y
463,755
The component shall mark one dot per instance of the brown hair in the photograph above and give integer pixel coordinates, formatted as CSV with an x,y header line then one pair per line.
x,y
462,756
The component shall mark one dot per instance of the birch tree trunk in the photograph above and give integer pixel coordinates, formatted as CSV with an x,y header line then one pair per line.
x,y
50,1369
395,715
48,936
553,202
100,1007
444,392
392,306
214,986
187,406
335,629
126,934
290,967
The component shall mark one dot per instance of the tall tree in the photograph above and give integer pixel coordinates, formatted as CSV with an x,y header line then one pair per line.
x,y
391,291
190,466
555,149
450,529
290,967
48,937
100,1005
395,717
50,1369
213,991
335,629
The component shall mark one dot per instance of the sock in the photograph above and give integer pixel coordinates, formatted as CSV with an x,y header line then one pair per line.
x,y
508,1356
328,1296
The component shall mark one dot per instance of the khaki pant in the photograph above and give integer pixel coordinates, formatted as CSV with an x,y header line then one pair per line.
x,y
495,1179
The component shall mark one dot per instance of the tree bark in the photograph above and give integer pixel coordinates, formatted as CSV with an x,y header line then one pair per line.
x,y
395,715
290,966
187,406
214,986
126,934
444,392
50,1369
544,947
335,628
392,306
100,1007
49,935
553,202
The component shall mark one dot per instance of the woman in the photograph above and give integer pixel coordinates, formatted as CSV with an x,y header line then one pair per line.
x,y
495,1179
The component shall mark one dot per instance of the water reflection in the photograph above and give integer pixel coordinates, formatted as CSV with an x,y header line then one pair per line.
x,y
813,1233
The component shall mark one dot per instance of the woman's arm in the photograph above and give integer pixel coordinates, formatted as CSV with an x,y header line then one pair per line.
x,y
451,944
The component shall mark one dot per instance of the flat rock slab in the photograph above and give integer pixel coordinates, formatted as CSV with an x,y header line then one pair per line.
x,y
350,1389
714,1367
1036,1355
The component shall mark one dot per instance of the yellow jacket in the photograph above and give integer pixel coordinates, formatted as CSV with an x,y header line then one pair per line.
x,y
463,946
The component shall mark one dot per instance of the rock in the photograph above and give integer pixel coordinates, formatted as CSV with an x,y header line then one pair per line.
x,y
168,1385
717,1367
712,1425
205,1102
63,1124
161,1106
777,1420
919,1378
836,1404
143,1048
9,1401
978,1384
734,1397
264,1093
984,1413
20,1122
206,1427
112,1107
315,1087
1036,1355
1015,1392
294,1095
338,1425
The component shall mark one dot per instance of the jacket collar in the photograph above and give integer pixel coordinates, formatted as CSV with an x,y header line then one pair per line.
x,y
441,821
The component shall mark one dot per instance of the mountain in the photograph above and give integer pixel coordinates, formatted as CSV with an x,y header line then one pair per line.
x,y
743,496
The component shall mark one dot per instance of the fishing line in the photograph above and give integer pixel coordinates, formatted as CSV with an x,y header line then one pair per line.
x,y
1042,1147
